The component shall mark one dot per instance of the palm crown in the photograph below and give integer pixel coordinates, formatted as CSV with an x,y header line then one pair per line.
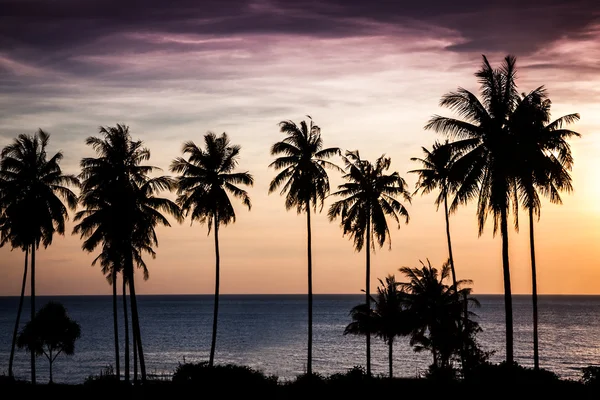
x,y
302,163
32,189
206,179
369,196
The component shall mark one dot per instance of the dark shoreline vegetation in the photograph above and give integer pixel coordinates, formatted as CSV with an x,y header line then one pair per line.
x,y
228,380
503,151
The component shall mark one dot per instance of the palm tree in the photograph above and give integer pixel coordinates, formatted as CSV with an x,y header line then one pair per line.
x,y
206,179
369,196
121,212
303,163
436,311
388,320
31,205
488,161
546,162
437,173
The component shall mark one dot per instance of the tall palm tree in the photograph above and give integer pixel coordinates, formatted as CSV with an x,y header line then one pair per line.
x,y
489,163
388,320
122,210
436,311
206,180
33,191
438,173
369,196
546,161
303,163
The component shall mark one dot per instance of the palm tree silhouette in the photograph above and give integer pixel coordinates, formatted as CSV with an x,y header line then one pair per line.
x,y
305,182
489,163
32,209
438,173
122,210
388,320
436,311
206,179
368,197
546,162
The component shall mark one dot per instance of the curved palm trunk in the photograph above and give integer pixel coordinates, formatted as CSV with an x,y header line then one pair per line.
x,y
115,322
368,292
126,321
507,290
536,355
135,321
216,309
454,285
391,358
310,294
33,307
17,322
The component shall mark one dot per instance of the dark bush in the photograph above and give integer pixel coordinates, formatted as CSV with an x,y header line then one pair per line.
x,y
221,375
591,375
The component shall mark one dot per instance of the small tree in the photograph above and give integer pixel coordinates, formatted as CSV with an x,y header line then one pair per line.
x,y
50,333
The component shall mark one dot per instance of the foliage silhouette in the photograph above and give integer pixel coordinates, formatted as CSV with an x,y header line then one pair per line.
x,y
206,179
50,333
436,311
487,167
121,212
545,162
438,172
302,164
31,207
369,195
387,320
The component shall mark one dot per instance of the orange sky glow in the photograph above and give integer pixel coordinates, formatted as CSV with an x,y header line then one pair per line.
x,y
372,91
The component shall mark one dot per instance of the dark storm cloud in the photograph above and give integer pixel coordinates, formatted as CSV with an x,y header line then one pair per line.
x,y
508,25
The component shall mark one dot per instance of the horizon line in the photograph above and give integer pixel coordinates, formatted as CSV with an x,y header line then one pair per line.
x,y
281,294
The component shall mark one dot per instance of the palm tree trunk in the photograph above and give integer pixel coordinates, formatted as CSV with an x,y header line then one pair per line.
x,y
368,292
126,320
216,309
115,321
135,320
310,293
135,362
391,357
507,290
17,322
454,285
33,307
536,355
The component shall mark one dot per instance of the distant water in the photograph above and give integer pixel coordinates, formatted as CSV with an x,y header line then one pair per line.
x,y
268,332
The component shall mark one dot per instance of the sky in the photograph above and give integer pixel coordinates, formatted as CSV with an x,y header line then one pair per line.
x,y
370,74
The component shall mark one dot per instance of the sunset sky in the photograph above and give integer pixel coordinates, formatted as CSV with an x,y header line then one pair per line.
x,y
370,77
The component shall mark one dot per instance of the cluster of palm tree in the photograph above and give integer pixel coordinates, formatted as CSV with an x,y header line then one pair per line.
x,y
505,153
424,308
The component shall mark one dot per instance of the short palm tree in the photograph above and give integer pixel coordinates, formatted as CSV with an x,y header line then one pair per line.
x,y
489,161
388,320
546,163
122,209
302,164
436,311
33,191
206,180
369,196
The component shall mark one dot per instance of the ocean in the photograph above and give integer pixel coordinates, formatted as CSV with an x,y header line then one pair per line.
x,y
269,333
